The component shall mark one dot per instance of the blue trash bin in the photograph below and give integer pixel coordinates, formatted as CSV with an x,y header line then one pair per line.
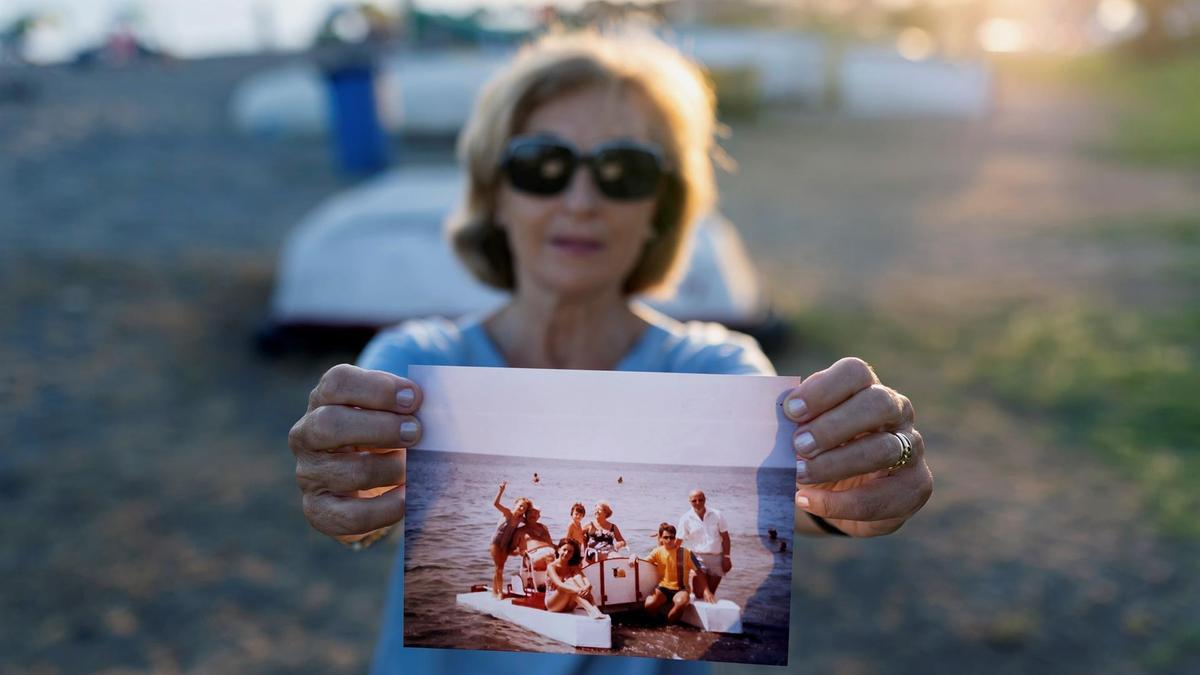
x,y
358,138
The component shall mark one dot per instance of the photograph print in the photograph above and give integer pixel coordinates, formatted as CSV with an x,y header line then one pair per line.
x,y
617,552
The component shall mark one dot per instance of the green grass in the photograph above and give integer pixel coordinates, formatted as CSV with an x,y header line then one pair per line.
x,y
1169,650
1158,101
1178,231
1122,382
1123,385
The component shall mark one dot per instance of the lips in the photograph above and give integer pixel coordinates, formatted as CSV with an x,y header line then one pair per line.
x,y
575,245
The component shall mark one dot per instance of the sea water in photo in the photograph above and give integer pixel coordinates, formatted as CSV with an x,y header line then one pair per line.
x,y
451,520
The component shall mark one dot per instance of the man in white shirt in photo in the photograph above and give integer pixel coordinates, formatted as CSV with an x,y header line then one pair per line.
x,y
704,532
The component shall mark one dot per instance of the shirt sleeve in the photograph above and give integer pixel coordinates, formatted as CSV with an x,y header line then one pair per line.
x,y
721,525
701,347
425,342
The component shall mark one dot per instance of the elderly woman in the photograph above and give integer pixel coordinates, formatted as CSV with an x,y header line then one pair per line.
x,y
588,161
601,537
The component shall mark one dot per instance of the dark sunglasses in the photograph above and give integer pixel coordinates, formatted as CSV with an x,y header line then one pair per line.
x,y
621,169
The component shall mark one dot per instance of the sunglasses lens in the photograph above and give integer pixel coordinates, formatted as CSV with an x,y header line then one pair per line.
x,y
539,168
544,167
626,172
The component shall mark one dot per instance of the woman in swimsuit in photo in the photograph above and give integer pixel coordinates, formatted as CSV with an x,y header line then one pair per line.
x,y
566,587
533,539
602,537
505,536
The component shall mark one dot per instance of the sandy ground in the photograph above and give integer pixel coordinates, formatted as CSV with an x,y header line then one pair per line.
x,y
149,514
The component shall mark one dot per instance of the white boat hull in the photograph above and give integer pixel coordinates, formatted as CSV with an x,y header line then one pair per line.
x,y
722,616
617,585
574,628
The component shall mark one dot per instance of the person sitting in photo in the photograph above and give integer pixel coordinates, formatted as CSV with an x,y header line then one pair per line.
x,y
575,529
505,537
675,565
566,587
533,540
603,538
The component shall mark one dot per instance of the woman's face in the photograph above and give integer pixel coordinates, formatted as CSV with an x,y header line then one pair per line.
x,y
564,552
579,242
600,513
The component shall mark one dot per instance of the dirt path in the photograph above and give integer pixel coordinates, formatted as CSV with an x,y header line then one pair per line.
x,y
150,517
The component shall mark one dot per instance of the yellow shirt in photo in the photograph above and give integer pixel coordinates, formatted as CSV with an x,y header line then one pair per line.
x,y
668,568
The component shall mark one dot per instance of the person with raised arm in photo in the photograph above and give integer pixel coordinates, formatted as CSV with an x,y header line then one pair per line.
x,y
505,537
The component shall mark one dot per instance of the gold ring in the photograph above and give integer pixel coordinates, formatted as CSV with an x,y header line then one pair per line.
x,y
906,451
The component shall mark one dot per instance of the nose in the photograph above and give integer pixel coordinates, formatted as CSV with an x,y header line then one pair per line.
x,y
581,195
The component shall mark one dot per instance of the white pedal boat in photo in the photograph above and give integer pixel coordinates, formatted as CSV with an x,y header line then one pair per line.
x,y
617,586
574,628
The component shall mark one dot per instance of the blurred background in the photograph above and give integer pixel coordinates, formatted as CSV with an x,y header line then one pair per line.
x,y
995,202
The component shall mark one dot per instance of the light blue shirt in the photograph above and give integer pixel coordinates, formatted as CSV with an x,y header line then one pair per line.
x,y
666,346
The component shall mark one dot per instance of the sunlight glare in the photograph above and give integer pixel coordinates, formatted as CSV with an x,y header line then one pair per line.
x,y
1116,16
1003,35
914,44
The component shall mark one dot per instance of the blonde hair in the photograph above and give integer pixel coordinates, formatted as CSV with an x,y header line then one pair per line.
x,y
682,103
607,508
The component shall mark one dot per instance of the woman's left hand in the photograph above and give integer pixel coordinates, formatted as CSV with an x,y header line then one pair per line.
x,y
850,459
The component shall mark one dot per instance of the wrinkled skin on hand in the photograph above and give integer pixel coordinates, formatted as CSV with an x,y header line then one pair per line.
x,y
846,451
350,450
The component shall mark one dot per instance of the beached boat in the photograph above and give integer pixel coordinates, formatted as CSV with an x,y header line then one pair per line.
x,y
722,616
339,271
617,586
574,628
620,586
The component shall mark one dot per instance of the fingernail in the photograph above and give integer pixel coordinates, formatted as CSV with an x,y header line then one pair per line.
x,y
405,397
802,501
805,444
409,431
801,470
796,407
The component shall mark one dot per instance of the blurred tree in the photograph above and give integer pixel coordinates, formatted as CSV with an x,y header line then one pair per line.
x,y
1155,39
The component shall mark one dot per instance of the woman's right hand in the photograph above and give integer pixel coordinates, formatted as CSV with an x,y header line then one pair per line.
x,y
349,448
